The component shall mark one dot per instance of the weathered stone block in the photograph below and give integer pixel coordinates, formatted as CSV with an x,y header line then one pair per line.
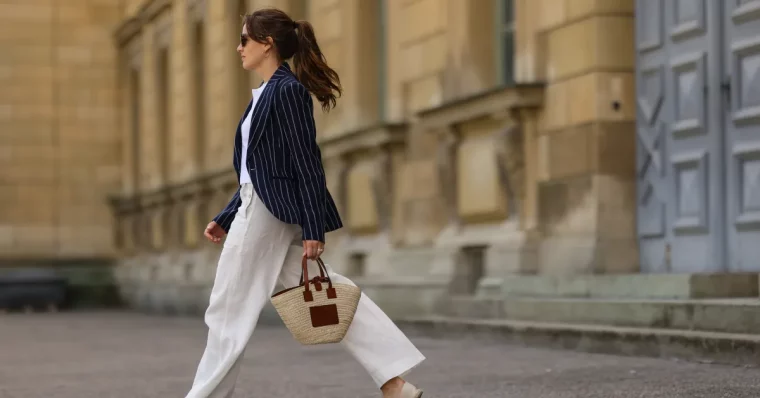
x,y
424,220
424,93
551,13
480,193
570,49
567,152
422,18
419,180
614,149
614,96
425,56
362,206
590,44
569,206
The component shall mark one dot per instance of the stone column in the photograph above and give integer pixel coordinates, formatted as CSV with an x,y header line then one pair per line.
x,y
162,77
190,118
195,216
149,155
130,121
586,149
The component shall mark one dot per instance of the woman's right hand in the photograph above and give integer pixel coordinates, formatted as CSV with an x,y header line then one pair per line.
x,y
214,232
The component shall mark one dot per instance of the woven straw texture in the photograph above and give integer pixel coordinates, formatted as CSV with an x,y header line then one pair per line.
x,y
294,311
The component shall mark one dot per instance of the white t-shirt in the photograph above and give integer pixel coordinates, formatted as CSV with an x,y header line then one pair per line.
x,y
245,131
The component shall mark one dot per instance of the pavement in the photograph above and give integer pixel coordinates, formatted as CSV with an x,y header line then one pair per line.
x,y
120,355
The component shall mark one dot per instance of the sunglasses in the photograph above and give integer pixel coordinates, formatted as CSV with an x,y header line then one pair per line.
x,y
244,40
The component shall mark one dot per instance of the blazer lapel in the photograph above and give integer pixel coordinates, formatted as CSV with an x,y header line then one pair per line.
x,y
259,118
261,112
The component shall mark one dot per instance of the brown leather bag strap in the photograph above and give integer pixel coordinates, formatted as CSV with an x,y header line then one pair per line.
x,y
307,295
322,270
304,273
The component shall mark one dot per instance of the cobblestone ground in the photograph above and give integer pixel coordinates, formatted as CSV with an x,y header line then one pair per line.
x,y
120,355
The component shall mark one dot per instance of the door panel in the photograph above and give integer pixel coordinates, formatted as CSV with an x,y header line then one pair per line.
x,y
741,89
678,155
651,132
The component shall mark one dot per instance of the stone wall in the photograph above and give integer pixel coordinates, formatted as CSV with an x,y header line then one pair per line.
x,y
59,137
583,50
451,171
446,178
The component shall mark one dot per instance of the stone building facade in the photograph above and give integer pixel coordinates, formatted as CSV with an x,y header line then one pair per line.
x,y
476,141
59,144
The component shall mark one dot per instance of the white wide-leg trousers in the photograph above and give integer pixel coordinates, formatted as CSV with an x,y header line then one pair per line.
x,y
259,251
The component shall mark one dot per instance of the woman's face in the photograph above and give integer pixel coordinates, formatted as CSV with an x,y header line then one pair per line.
x,y
253,52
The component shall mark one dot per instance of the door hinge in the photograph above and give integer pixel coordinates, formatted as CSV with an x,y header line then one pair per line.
x,y
668,255
725,87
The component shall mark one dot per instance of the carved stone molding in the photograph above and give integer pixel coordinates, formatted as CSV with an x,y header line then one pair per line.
x,y
510,161
154,8
528,121
132,26
159,219
495,103
127,30
448,139
164,30
340,166
381,135
197,9
376,143
133,53
383,188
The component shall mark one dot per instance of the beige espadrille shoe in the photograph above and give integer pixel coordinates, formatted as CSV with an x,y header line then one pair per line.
x,y
410,391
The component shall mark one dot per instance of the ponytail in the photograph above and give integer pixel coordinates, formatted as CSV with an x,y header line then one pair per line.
x,y
311,68
296,40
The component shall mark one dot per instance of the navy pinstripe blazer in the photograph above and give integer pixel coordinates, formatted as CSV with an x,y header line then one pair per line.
x,y
284,161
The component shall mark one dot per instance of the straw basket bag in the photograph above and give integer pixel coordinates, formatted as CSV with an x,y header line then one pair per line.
x,y
316,313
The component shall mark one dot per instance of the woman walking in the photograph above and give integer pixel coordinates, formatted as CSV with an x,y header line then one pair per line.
x,y
281,212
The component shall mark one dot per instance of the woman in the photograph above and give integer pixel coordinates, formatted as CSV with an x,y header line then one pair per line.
x,y
281,212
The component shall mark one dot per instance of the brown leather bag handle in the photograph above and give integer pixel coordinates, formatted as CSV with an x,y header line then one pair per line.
x,y
324,276
304,271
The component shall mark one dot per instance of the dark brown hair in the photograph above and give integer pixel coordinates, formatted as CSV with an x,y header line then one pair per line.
x,y
295,39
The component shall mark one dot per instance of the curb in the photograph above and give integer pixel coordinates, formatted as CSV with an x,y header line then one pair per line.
x,y
690,345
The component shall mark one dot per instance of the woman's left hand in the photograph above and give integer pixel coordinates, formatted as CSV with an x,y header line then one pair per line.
x,y
312,249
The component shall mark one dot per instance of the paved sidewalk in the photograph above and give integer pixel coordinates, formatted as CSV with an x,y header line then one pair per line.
x,y
122,355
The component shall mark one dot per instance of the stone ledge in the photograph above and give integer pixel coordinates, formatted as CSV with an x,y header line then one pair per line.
x,y
132,25
495,103
367,138
645,286
725,316
404,297
728,348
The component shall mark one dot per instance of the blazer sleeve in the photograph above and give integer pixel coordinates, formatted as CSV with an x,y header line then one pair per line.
x,y
225,217
296,115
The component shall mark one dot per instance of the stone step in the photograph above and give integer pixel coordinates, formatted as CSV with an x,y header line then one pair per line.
x,y
641,286
713,347
719,315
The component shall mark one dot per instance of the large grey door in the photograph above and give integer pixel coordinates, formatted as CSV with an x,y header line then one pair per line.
x,y
741,104
679,155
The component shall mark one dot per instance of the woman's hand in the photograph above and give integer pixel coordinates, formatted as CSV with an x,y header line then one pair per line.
x,y
312,249
214,232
